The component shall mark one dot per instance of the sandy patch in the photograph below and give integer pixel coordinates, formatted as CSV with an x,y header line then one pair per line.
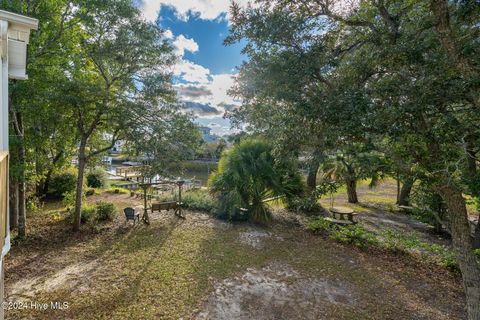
x,y
274,292
254,238
73,276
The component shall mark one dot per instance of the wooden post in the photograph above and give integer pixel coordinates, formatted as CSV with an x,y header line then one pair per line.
x,y
145,209
180,184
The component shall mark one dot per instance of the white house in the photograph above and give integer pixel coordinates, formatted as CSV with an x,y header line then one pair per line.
x,y
207,136
14,37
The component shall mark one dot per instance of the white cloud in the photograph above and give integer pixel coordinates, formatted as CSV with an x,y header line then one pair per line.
x,y
168,34
183,44
212,93
191,72
219,86
206,9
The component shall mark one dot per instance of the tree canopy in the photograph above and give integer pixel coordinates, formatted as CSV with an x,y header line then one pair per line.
x,y
400,76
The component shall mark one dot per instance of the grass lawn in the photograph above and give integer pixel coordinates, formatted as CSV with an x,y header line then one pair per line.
x,y
209,269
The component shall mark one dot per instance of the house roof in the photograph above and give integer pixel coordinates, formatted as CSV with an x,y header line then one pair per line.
x,y
19,21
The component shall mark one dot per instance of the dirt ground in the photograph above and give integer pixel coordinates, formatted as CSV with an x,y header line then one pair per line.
x,y
203,268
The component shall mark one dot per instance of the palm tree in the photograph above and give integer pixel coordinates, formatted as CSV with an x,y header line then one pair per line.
x,y
351,165
247,175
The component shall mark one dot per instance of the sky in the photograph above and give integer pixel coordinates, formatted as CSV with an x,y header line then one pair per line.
x,y
206,68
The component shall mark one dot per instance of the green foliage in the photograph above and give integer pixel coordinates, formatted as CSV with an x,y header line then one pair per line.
x,y
87,214
96,178
117,190
350,234
199,199
106,211
34,204
69,199
62,182
194,199
430,208
356,235
320,226
398,242
307,204
247,175
90,192
326,188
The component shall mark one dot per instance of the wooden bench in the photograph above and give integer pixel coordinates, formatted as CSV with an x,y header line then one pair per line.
x,y
346,215
340,222
168,205
405,208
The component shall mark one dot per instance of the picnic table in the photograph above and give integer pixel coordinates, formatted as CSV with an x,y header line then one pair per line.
x,y
345,215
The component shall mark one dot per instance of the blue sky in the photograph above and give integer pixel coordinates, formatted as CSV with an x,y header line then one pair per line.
x,y
209,35
206,67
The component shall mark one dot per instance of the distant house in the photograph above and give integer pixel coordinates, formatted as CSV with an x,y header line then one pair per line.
x,y
118,147
207,136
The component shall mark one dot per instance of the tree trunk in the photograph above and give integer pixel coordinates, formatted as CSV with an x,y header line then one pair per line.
x,y
476,236
22,212
471,160
312,174
404,197
462,243
13,206
82,162
18,127
46,182
352,191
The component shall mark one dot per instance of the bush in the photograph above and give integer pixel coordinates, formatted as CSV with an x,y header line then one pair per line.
x,y
200,200
69,199
87,214
351,234
118,190
96,178
90,192
321,226
106,211
403,243
307,205
62,182
399,243
355,235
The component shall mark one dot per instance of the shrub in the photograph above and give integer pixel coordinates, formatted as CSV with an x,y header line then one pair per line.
x,y
307,205
448,259
90,192
321,226
399,243
351,234
62,182
96,178
106,211
118,190
200,200
355,235
248,174
69,199
33,204
87,214
430,204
